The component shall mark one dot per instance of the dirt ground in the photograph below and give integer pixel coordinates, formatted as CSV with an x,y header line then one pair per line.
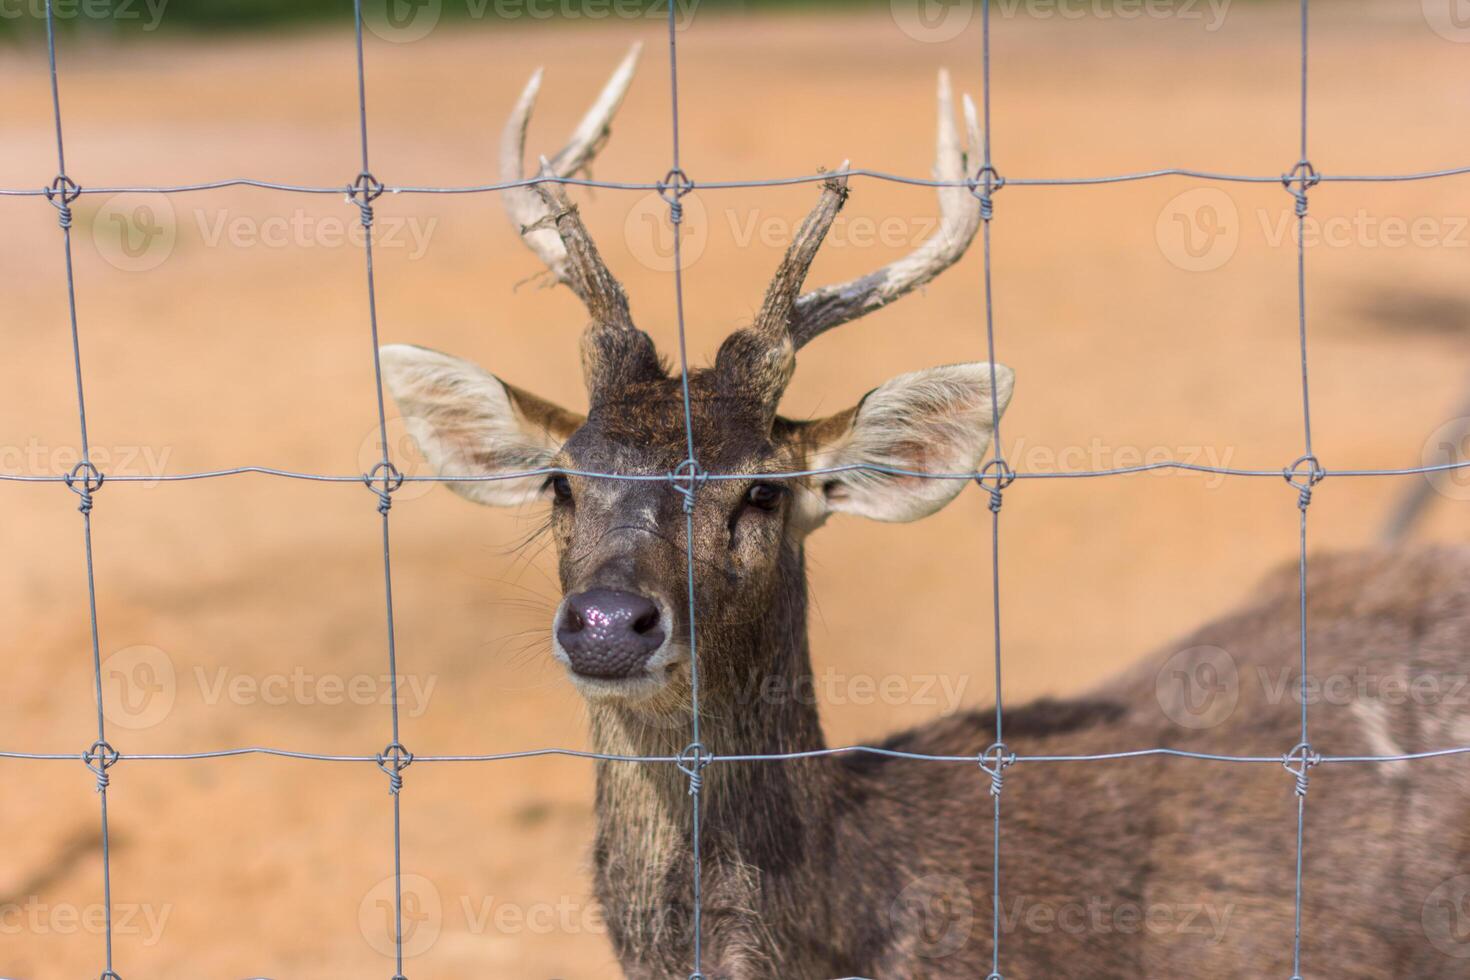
x,y
249,610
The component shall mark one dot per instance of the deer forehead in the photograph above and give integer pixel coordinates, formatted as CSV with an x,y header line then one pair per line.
x,y
643,428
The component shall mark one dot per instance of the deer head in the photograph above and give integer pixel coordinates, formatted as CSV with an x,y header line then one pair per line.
x,y
621,629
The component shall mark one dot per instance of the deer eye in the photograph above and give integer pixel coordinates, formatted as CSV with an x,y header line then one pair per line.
x,y
765,496
561,489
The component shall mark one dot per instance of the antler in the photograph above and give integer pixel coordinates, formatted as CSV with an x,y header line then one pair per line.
x,y
551,227
762,357
613,349
526,208
959,218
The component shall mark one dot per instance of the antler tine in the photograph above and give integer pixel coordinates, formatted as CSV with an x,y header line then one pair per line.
x,y
959,219
583,270
774,318
527,209
591,134
761,358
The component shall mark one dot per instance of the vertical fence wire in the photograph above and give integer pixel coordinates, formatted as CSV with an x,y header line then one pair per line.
x,y
1305,473
692,760
996,758
84,480
383,479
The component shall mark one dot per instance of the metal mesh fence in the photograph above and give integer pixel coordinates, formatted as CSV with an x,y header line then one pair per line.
x,y
995,477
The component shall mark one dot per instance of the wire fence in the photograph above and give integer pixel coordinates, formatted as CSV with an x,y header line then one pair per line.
x,y
995,477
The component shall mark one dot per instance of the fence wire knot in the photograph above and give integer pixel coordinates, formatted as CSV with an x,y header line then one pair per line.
x,y
993,762
993,478
672,188
686,478
84,480
691,762
62,192
1299,762
393,760
363,191
986,182
382,480
99,758
1304,474
1303,177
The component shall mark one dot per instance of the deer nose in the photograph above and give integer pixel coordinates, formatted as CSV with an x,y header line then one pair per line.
x,y
609,633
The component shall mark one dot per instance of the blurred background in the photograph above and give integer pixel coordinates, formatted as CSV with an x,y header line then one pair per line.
x,y
1145,321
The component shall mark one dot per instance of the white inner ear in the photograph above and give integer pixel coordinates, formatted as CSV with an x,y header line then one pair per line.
x,y
465,423
935,421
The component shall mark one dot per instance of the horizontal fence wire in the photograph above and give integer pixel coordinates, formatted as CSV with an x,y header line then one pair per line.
x,y
714,757
85,480
715,185
978,476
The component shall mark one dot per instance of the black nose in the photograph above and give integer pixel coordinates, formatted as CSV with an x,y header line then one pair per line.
x,y
608,633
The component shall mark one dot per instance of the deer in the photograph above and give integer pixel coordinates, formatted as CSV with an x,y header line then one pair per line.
x,y
875,865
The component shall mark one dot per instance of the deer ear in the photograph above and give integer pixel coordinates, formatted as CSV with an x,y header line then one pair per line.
x,y
468,422
935,421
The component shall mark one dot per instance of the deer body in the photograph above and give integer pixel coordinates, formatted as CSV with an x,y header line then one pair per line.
x,y
861,865
1155,867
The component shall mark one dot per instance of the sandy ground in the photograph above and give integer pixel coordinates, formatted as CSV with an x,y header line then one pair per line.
x,y
248,610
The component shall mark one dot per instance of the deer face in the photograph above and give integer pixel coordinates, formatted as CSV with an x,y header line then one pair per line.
x,y
622,628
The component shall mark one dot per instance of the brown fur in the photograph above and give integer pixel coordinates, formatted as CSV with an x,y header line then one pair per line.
x,y
876,867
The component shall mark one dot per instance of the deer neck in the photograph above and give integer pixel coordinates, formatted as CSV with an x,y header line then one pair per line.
x,y
751,811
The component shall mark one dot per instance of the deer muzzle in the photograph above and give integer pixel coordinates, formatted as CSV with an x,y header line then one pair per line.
x,y
610,634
